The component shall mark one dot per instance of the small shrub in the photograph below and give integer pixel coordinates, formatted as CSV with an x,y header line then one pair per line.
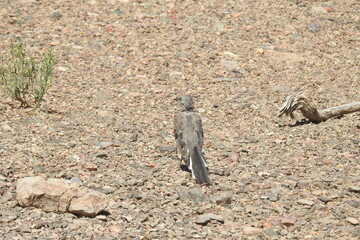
x,y
23,79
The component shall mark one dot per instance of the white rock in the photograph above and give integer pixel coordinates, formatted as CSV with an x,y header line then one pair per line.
x,y
59,195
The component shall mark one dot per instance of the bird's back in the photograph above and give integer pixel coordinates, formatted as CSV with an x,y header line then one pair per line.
x,y
189,129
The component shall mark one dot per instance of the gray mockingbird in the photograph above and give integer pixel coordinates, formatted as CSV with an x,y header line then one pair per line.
x,y
189,137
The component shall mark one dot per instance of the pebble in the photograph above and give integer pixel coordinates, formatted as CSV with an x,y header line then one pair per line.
x,y
230,65
354,189
77,180
218,218
115,229
195,195
232,55
7,128
224,79
105,144
305,202
352,220
251,230
324,199
101,155
288,221
312,27
166,148
108,189
90,166
233,157
271,233
122,64
353,203
203,219
24,227
56,16
274,195
319,10
223,198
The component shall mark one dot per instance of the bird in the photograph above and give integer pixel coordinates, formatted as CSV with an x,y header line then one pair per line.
x,y
189,137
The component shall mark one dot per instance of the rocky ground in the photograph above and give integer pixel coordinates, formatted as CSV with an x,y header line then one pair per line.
x,y
107,121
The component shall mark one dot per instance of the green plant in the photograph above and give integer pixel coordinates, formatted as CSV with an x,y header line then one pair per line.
x,y
23,79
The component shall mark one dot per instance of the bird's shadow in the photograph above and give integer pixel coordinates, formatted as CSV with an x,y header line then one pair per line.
x,y
185,168
306,122
298,123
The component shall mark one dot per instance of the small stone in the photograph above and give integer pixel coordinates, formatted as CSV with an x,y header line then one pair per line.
x,y
36,213
233,157
264,174
89,204
312,27
324,199
90,166
260,51
319,10
230,65
203,219
195,195
288,221
305,202
62,68
101,155
223,199
125,153
165,148
234,225
225,187
354,189
2,178
105,144
122,64
108,189
102,218
39,169
133,137
352,220
24,227
271,233
56,16
7,128
251,230
218,218
76,180
282,88
274,195
9,215
115,230
37,224
224,79
353,203
232,55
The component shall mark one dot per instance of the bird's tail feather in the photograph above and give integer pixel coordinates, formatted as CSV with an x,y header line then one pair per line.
x,y
198,166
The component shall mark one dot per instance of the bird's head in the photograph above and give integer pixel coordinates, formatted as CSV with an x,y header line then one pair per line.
x,y
186,103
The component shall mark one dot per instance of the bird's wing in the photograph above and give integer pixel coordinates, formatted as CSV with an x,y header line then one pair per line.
x,y
179,135
196,120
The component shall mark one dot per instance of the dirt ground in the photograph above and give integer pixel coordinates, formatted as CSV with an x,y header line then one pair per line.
x,y
108,118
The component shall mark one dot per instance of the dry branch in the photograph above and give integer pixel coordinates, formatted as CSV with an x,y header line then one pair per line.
x,y
310,112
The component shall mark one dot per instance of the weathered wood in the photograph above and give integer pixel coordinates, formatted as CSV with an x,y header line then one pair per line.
x,y
310,112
